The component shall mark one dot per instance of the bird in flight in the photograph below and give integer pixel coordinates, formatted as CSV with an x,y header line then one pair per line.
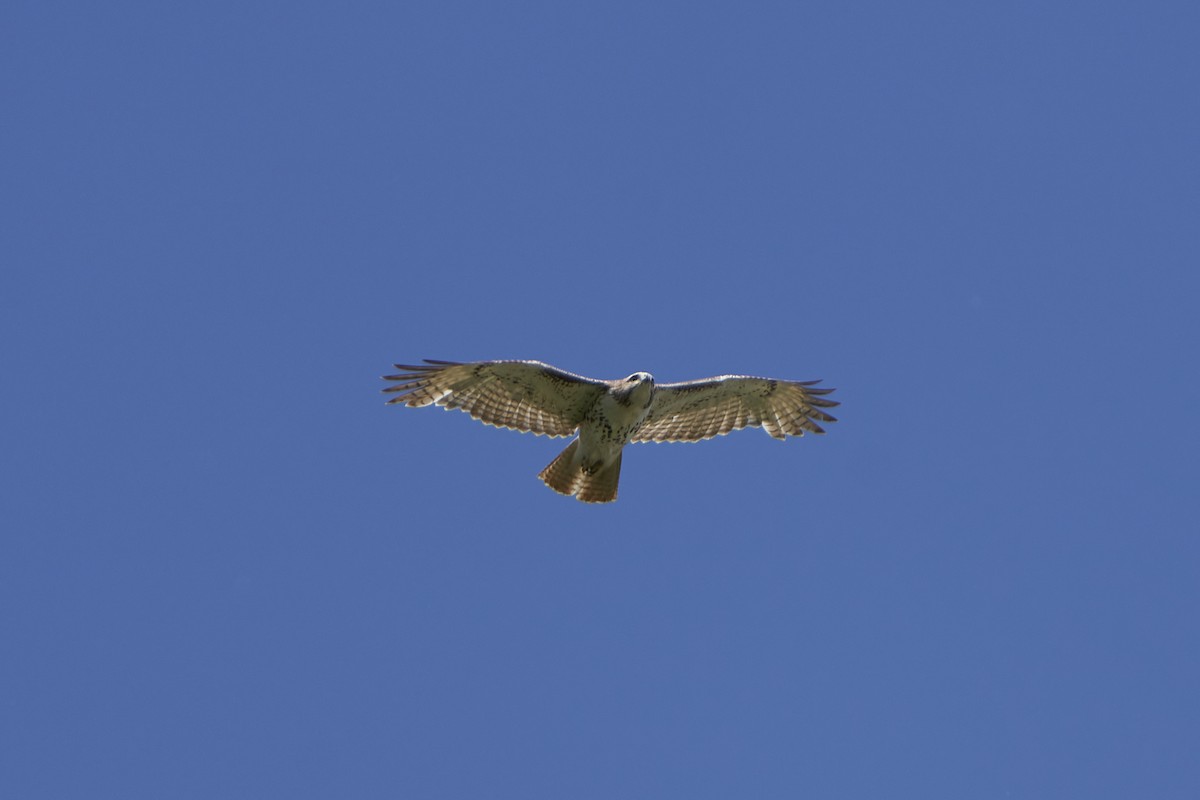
x,y
533,397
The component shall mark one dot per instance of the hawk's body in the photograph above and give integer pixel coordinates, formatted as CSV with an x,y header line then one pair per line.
x,y
537,398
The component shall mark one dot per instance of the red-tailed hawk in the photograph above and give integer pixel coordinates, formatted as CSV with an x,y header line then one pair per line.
x,y
533,397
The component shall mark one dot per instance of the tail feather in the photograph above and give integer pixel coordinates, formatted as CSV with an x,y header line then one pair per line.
x,y
565,475
601,487
564,472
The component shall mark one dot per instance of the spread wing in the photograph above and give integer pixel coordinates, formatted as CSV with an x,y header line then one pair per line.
x,y
696,410
526,396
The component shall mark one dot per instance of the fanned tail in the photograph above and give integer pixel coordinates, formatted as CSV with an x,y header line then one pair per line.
x,y
565,475
601,486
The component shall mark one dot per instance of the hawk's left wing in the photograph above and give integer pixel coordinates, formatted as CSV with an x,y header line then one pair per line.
x,y
696,410
526,396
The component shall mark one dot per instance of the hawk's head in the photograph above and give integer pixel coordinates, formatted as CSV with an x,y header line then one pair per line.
x,y
636,390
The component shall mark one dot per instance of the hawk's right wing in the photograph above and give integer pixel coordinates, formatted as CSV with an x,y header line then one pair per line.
x,y
526,396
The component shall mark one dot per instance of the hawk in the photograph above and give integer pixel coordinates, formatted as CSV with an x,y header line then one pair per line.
x,y
533,397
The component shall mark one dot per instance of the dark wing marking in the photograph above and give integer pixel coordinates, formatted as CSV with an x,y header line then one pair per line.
x,y
697,410
526,396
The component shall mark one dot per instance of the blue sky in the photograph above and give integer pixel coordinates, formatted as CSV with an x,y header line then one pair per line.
x,y
230,571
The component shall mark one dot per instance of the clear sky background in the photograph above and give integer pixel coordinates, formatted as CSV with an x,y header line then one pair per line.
x,y
228,570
